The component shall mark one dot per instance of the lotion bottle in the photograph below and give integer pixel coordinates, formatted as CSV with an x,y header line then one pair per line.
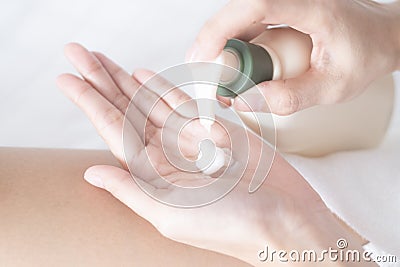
x,y
282,53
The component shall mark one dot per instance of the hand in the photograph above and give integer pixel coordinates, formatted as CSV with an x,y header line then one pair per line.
x,y
285,212
354,42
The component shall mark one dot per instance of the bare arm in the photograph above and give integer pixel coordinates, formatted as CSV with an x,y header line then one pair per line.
x,y
49,216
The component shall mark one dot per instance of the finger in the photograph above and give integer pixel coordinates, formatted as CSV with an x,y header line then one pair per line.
x,y
129,86
251,32
221,27
126,189
121,78
284,97
224,101
153,108
93,71
177,99
238,15
107,119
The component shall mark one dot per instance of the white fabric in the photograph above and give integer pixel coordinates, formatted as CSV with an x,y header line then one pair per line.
x,y
362,187
380,257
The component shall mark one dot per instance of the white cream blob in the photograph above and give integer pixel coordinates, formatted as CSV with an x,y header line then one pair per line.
x,y
206,107
211,158
208,91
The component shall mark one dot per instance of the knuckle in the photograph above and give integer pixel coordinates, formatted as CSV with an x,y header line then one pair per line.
x,y
149,132
110,116
288,102
93,67
178,97
118,73
85,89
120,101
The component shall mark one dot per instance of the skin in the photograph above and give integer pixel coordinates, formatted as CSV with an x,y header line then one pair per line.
x,y
354,43
239,224
51,217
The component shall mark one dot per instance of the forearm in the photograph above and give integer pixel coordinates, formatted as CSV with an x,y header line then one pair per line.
x,y
51,217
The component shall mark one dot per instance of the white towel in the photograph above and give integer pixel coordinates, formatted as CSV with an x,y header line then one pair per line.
x,y
363,187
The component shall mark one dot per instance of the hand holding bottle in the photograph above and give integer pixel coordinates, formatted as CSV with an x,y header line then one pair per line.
x,y
354,43
285,213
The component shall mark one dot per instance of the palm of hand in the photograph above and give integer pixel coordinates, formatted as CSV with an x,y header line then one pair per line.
x,y
223,226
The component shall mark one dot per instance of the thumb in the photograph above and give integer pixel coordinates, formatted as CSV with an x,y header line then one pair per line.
x,y
123,187
282,97
218,29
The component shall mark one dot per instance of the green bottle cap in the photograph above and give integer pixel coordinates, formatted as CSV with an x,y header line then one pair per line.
x,y
255,63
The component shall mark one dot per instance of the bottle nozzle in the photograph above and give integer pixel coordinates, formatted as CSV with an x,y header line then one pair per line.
x,y
251,64
231,60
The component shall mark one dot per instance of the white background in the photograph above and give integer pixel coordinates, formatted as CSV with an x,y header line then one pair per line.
x,y
155,34
152,34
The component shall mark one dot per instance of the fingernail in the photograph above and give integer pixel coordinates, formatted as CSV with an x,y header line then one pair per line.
x,y
223,104
94,180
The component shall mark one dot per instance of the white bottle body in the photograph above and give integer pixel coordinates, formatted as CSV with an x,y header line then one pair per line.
x,y
357,124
